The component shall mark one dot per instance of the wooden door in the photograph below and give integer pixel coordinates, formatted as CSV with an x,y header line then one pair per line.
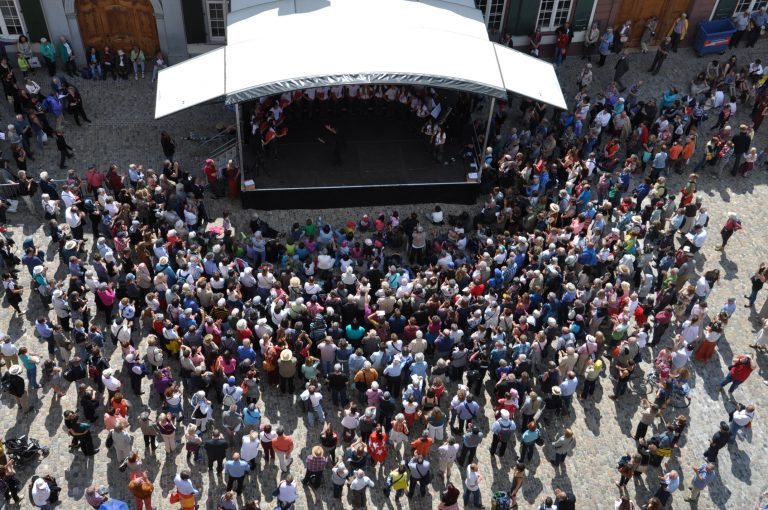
x,y
119,24
638,11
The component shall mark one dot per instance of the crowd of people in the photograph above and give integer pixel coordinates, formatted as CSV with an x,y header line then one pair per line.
x,y
406,343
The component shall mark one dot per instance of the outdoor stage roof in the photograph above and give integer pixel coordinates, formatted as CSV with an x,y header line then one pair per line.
x,y
285,45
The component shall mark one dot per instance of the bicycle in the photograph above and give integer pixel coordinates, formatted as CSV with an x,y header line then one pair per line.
x,y
679,396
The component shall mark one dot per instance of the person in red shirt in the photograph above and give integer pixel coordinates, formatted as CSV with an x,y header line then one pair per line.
x,y
731,225
739,372
210,171
94,178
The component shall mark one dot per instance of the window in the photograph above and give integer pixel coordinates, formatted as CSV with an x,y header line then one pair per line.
x,y
553,13
215,11
749,5
497,11
11,22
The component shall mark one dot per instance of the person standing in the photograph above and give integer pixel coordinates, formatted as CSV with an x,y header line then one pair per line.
x,y
678,31
360,483
590,41
419,469
604,48
236,470
48,51
316,463
620,69
470,441
15,385
141,488
718,442
528,443
216,450
67,56
669,483
447,453
283,446
759,19
661,54
168,144
731,225
741,418
563,446
649,32
741,143
63,147
739,371
563,37
757,280
702,476
472,486
741,22
503,430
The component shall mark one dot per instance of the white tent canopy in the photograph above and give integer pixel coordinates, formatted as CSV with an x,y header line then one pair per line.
x,y
285,45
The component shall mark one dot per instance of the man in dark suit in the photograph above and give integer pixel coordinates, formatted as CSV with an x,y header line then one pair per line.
x,y
216,451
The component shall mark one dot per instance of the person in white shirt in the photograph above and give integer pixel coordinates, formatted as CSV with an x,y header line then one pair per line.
x,y
68,196
472,484
111,383
697,238
314,399
447,453
436,216
741,418
250,449
74,219
286,491
357,489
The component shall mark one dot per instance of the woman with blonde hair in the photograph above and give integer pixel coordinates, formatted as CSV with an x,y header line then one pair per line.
x,y
192,443
168,431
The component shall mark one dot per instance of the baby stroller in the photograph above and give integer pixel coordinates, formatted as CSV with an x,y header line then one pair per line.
x,y
24,449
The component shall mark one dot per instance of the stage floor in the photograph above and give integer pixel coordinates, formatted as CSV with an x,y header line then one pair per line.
x,y
378,150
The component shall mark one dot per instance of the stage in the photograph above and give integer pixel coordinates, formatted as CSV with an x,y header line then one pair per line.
x,y
385,160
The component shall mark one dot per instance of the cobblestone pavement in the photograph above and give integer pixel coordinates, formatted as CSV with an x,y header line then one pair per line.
x,y
124,131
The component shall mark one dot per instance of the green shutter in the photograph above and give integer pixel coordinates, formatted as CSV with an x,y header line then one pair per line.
x,y
34,19
194,21
724,9
522,16
581,14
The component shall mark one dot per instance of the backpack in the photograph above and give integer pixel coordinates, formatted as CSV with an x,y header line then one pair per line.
x,y
505,433
229,399
70,375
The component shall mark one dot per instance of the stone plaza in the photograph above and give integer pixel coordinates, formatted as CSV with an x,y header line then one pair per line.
x,y
123,131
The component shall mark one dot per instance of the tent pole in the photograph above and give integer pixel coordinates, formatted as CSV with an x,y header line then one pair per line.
x,y
502,23
488,14
238,119
487,132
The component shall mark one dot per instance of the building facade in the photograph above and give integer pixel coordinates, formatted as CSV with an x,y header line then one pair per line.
x,y
179,28
521,17
183,28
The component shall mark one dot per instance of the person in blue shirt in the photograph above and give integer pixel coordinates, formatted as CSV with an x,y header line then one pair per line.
x,y
246,351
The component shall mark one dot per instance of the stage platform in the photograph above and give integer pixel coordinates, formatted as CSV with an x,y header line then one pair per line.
x,y
386,160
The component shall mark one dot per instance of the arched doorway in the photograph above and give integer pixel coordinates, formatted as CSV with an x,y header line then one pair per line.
x,y
119,24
